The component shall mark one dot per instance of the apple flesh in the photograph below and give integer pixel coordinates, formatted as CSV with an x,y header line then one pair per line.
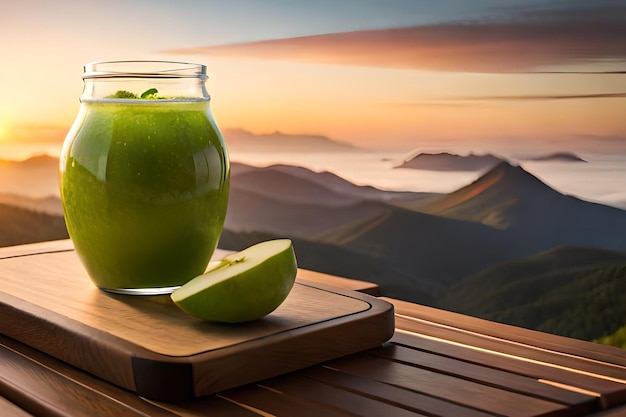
x,y
243,286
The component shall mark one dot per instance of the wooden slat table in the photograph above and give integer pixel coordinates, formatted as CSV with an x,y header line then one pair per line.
x,y
437,364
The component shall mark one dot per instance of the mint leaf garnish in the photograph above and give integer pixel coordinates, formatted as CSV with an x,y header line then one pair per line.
x,y
150,94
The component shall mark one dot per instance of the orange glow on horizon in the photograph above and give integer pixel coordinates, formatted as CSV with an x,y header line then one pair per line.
x,y
369,107
380,107
378,125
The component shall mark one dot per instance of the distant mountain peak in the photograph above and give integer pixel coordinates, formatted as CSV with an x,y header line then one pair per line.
x,y
41,157
510,198
495,196
513,177
34,159
446,161
558,156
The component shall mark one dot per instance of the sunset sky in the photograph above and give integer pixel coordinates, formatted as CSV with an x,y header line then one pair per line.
x,y
379,74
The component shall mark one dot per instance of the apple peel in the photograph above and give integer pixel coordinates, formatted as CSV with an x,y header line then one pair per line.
x,y
243,286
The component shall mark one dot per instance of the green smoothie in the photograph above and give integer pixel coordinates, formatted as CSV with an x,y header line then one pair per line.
x,y
144,185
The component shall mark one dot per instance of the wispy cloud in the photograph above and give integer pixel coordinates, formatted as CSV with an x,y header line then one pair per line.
x,y
528,41
540,97
466,101
581,72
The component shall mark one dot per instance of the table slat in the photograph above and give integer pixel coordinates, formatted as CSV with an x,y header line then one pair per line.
x,y
593,375
212,405
610,390
556,343
302,387
411,400
278,404
488,376
467,393
514,348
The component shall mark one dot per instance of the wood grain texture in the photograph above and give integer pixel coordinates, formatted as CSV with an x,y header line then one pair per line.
x,y
146,344
58,283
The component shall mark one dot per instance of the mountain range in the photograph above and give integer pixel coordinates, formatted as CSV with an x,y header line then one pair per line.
x,y
240,140
503,247
435,240
34,177
446,161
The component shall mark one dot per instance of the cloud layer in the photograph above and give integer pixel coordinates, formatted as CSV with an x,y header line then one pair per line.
x,y
528,42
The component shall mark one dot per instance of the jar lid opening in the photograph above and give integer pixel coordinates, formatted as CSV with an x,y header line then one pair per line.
x,y
144,69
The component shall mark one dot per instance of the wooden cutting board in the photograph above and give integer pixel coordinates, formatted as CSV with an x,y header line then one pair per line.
x,y
149,346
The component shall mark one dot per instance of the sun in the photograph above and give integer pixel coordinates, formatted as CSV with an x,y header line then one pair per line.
x,y
4,128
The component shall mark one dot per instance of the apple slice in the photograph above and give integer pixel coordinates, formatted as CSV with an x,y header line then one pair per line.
x,y
243,286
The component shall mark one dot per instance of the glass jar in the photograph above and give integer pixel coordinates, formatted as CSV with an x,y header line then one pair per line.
x,y
144,176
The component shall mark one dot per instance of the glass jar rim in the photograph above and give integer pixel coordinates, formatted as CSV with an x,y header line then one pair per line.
x,y
144,69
